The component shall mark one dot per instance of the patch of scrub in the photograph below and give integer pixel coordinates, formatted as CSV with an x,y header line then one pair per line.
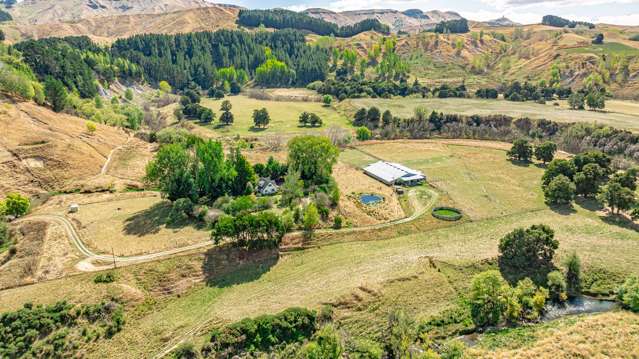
x,y
370,198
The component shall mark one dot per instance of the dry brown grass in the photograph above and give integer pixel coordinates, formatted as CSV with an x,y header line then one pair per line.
x,y
41,150
352,182
105,29
608,335
125,223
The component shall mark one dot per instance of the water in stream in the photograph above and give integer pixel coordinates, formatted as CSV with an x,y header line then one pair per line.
x,y
580,305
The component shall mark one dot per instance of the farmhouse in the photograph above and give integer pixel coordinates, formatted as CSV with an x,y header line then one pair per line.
x,y
394,174
267,187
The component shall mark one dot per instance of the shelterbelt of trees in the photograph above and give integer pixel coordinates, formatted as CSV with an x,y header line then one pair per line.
x,y
571,137
287,19
178,59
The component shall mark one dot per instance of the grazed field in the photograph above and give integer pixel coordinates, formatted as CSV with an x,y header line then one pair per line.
x,y
615,115
126,223
284,116
329,273
480,180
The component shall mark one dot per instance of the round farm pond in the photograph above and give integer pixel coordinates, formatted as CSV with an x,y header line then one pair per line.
x,y
447,213
369,198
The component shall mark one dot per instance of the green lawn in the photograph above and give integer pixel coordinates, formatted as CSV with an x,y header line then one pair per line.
x,y
284,116
607,48
404,107
479,180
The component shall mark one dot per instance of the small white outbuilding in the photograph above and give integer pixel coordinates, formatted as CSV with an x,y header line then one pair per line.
x,y
74,208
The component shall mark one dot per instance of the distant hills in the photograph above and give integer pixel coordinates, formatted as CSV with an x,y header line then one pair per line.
x,y
502,22
408,21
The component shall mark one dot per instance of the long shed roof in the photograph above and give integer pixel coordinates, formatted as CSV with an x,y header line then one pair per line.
x,y
389,172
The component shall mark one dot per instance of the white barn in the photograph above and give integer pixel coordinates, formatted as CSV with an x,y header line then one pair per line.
x,y
394,174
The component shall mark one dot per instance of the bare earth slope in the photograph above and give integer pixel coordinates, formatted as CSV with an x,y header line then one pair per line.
x,y
48,11
41,150
107,28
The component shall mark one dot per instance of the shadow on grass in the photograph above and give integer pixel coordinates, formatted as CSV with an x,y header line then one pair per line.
x,y
590,204
563,209
257,129
151,220
542,166
519,163
620,220
228,266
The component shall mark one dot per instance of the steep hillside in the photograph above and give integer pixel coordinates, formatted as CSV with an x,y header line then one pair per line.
x,y
47,11
491,56
408,21
107,28
42,151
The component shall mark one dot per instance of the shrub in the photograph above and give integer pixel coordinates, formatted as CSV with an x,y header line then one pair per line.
x,y
326,344
91,127
185,351
107,277
573,275
337,222
4,232
487,298
16,205
557,287
628,294
363,134
311,217
242,204
263,332
366,349
181,210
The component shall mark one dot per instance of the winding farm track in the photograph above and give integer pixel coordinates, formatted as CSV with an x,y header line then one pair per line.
x,y
86,264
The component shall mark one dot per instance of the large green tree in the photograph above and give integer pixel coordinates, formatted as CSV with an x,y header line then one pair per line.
x,y
313,157
521,151
528,253
559,191
617,197
488,292
545,152
171,172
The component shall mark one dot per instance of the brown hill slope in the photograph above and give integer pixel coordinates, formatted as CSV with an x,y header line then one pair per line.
x,y
49,11
408,21
108,28
42,151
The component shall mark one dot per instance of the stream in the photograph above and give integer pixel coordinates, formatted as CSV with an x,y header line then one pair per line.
x,y
580,305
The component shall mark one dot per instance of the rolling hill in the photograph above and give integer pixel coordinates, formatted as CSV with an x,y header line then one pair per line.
x,y
46,11
106,28
407,21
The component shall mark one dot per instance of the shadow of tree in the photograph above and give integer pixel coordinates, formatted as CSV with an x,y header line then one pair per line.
x,y
151,220
620,220
563,209
590,204
257,129
227,266
542,166
519,163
